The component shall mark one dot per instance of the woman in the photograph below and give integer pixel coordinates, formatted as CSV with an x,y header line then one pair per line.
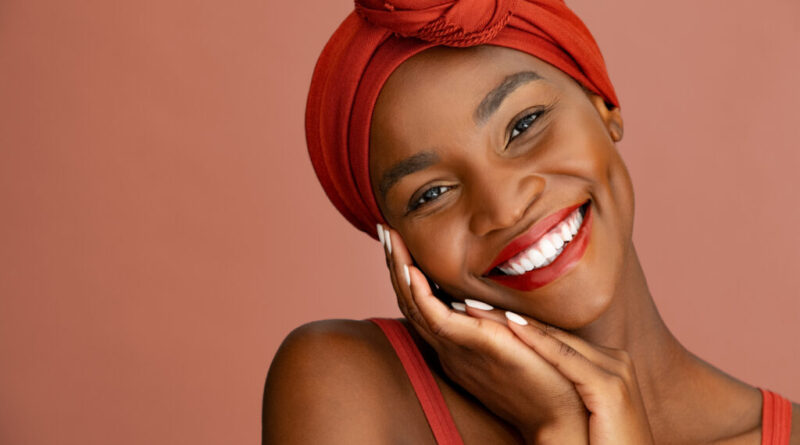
x,y
476,141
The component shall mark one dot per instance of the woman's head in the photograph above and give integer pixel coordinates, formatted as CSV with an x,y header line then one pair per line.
x,y
469,148
376,38
385,89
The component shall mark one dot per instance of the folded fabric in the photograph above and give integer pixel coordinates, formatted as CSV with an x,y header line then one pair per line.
x,y
378,36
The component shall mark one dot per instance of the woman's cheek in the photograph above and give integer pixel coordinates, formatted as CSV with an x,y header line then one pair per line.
x,y
621,187
439,253
578,154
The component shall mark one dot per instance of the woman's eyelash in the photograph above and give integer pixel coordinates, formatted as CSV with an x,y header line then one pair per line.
x,y
427,196
527,121
523,124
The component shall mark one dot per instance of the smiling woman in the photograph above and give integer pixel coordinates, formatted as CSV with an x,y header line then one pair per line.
x,y
477,141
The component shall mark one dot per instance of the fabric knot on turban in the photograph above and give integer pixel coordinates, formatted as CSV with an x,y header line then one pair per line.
x,y
457,23
379,35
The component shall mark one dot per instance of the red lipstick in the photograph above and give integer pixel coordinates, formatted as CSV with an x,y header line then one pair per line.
x,y
569,257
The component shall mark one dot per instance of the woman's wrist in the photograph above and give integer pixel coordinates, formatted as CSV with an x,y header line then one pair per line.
x,y
559,433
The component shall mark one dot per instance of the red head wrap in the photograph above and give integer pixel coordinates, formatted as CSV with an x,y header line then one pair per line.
x,y
379,35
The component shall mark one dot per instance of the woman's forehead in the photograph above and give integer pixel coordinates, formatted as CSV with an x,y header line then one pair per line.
x,y
454,77
448,87
460,67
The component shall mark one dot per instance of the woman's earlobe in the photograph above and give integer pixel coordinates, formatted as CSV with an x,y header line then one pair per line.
x,y
614,124
611,116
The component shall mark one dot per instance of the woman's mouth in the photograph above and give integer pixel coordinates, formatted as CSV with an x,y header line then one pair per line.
x,y
549,256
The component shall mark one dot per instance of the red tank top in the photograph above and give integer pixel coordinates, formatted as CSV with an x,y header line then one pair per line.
x,y
776,411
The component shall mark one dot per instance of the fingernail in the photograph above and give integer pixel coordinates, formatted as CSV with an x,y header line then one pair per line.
x,y
516,318
388,241
475,304
380,234
408,277
461,307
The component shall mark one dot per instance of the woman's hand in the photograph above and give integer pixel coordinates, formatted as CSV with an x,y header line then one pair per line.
x,y
553,386
604,378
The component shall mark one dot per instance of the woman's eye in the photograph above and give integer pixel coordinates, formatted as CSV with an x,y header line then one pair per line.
x,y
523,124
431,194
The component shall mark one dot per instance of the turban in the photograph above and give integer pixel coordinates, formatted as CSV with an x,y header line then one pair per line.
x,y
378,36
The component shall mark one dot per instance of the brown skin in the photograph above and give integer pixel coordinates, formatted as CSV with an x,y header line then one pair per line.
x,y
340,381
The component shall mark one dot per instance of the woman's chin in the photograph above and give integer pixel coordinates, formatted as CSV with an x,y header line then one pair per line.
x,y
580,297
581,312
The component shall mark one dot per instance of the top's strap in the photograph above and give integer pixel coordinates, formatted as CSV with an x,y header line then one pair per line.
x,y
776,419
428,393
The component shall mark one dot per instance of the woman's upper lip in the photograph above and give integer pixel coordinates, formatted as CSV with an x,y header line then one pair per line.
x,y
531,235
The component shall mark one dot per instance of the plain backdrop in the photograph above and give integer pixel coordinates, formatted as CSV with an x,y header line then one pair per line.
x,y
161,228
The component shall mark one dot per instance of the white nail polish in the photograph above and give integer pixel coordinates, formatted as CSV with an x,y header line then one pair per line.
x,y
475,304
516,318
380,234
408,277
388,241
461,307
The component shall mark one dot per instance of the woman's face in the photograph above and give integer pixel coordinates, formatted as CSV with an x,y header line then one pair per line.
x,y
471,150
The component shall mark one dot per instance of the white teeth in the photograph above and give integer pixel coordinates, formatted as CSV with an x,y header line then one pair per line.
x,y
555,240
558,252
552,258
547,249
526,263
537,257
565,232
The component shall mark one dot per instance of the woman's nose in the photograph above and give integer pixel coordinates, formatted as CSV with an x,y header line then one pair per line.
x,y
501,200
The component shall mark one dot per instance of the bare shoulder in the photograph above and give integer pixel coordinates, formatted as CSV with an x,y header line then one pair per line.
x,y
332,381
795,436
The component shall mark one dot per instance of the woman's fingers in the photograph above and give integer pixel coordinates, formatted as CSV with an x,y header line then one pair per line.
x,y
397,259
479,309
436,315
606,358
611,394
566,359
437,321
602,381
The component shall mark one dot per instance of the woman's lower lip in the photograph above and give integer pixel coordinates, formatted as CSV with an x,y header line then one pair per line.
x,y
568,259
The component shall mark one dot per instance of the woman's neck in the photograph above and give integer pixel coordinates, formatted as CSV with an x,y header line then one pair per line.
x,y
632,323
674,383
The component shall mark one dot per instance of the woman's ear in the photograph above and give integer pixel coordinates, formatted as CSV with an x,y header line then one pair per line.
x,y
612,117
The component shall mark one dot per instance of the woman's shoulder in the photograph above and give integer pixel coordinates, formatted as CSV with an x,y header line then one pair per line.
x,y
335,380
335,346
317,340
331,356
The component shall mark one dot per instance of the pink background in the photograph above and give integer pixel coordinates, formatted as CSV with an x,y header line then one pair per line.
x,y
161,229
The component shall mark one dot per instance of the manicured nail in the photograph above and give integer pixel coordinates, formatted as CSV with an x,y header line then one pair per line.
x,y
388,241
461,307
380,234
516,318
408,277
475,304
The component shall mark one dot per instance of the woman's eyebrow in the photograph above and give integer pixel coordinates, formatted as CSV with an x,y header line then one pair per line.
x,y
411,164
494,98
488,105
